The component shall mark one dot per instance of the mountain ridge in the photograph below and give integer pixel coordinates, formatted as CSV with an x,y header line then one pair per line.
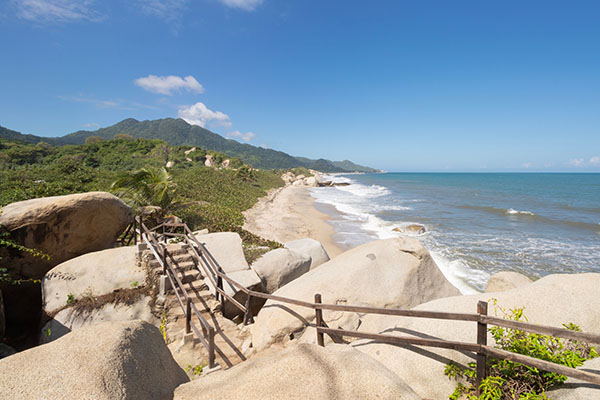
x,y
179,132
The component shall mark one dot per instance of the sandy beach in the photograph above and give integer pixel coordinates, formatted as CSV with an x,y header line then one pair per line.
x,y
288,213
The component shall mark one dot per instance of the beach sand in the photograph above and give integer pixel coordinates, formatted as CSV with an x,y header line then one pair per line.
x,y
289,213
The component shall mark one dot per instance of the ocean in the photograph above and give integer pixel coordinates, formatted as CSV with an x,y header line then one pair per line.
x,y
476,224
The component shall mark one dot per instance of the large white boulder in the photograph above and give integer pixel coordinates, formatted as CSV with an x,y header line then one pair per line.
x,y
309,247
552,300
506,280
279,267
114,360
73,318
91,274
63,227
575,389
299,373
392,273
248,279
227,250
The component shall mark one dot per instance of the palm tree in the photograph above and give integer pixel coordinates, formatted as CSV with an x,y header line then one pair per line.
x,y
148,187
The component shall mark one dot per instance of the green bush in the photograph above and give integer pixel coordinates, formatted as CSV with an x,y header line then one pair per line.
x,y
511,380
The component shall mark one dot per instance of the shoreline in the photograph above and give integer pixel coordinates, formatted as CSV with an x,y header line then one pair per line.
x,y
289,213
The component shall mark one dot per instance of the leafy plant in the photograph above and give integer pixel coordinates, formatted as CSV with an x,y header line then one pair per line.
x,y
163,327
134,284
70,298
512,380
194,369
7,242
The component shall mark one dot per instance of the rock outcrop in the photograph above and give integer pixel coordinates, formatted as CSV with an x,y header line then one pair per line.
x,y
279,267
310,247
226,249
552,300
116,360
210,161
393,273
91,274
506,280
63,227
575,389
299,373
414,229
73,318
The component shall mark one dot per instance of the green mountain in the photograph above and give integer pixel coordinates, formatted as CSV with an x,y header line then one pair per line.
x,y
177,132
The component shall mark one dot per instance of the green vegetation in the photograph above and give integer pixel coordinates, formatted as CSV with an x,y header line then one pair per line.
x,y
70,298
301,171
203,197
507,380
194,370
178,132
9,244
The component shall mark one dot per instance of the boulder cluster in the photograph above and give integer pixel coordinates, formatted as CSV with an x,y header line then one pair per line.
x,y
112,345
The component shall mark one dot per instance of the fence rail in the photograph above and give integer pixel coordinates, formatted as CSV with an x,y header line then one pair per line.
x,y
210,268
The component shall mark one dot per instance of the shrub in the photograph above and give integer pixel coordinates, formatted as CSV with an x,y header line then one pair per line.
x,y
511,380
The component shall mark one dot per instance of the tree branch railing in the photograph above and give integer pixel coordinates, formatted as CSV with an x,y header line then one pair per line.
x,y
211,269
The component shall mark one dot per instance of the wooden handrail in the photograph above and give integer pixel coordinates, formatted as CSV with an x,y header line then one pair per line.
x,y
188,307
215,273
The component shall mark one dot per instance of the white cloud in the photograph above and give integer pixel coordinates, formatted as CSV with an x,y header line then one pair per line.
x,y
577,162
595,160
170,10
56,10
244,136
92,125
527,165
169,84
248,5
199,114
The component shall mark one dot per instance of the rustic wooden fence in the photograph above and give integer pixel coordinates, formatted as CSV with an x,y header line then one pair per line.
x,y
210,268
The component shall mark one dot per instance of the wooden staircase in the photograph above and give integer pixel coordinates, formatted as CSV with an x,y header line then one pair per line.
x,y
231,339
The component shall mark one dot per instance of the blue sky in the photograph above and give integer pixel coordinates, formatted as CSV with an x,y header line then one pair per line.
x,y
398,85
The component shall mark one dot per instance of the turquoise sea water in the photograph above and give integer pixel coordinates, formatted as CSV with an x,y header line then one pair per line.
x,y
477,224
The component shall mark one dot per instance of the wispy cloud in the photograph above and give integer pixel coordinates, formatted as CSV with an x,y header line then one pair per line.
x,y
527,165
97,102
168,84
199,114
107,103
595,160
169,10
248,5
244,136
577,162
91,125
56,11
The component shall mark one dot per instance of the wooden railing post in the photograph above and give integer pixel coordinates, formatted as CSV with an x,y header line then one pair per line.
x,y
211,347
163,234
248,314
482,307
164,256
217,293
135,230
319,321
188,314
